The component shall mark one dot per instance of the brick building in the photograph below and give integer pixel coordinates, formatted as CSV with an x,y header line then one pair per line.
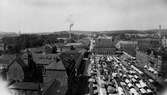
x,y
128,46
151,56
104,46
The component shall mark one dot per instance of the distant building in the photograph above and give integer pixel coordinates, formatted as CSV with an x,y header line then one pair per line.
x,y
73,62
55,76
62,40
9,42
163,65
151,56
84,41
164,41
44,59
148,43
149,59
23,75
75,46
104,46
2,45
23,69
50,48
128,46
53,72
5,60
36,74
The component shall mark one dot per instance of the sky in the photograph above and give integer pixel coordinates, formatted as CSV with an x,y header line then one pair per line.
x,y
33,16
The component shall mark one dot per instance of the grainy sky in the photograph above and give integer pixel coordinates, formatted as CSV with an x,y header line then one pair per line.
x,y
55,15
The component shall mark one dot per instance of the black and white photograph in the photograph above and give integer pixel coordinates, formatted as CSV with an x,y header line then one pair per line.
x,y
83,47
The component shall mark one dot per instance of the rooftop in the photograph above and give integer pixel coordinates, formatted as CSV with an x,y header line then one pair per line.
x,y
44,58
25,86
6,59
56,66
73,44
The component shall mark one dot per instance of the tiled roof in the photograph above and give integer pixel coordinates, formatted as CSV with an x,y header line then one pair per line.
x,y
56,66
44,59
6,59
25,86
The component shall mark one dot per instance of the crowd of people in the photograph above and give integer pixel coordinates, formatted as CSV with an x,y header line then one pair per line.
x,y
113,75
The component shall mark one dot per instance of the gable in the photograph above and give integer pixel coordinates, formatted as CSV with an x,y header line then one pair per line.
x,y
15,72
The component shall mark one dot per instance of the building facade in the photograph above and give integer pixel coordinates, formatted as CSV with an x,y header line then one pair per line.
x,y
104,46
128,46
151,56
